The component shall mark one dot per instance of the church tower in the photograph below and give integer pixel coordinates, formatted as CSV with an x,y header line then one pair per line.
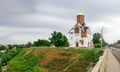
x,y
80,18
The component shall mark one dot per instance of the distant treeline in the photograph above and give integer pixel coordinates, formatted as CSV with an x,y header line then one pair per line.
x,y
57,39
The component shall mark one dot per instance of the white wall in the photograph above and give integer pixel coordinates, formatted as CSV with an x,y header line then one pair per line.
x,y
72,41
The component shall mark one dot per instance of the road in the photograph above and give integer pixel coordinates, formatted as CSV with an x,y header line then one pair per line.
x,y
116,53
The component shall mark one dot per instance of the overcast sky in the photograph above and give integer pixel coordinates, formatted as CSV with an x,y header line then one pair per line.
x,y
28,20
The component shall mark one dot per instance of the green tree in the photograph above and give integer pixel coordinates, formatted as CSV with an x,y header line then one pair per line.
x,y
42,43
118,41
29,44
96,38
97,41
58,39
10,46
97,45
2,47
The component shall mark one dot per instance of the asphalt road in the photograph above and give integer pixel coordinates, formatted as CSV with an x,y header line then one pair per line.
x,y
116,53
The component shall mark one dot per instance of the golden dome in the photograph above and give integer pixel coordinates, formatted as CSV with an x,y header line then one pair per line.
x,y
80,13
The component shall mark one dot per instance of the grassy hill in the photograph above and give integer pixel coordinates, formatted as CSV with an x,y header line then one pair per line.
x,y
54,60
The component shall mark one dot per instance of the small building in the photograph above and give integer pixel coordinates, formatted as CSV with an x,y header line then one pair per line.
x,y
80,34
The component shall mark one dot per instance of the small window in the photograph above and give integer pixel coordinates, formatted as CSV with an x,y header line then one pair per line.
x,y
82,42
77,30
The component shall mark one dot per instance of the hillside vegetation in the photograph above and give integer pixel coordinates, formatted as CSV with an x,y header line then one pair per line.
x,y
54,60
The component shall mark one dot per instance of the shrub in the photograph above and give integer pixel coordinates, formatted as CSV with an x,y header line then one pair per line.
x,y
42,43
97,45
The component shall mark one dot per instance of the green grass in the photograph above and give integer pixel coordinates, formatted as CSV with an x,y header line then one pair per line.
x,y
69,60
24,62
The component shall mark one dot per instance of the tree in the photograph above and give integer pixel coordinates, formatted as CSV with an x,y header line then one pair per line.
x,y
42,43
10,46
97,45
96,40
59,40
29,44
118,41
2,47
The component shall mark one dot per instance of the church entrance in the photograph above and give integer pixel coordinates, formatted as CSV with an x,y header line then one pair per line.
x,y
76,44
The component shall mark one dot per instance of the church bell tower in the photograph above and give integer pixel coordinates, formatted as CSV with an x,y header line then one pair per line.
x,y
80,18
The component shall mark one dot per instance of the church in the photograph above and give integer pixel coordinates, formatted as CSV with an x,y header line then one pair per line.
x,y
80,34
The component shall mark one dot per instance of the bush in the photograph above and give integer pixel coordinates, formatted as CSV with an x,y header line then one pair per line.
x,y
42,43
97,45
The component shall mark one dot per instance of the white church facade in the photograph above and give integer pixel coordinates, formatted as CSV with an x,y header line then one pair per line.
x,y
80,34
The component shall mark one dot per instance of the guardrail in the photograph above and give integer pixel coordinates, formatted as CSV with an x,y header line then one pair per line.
x,y
101,64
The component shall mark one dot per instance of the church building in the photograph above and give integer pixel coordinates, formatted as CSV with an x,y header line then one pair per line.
x,y
80,34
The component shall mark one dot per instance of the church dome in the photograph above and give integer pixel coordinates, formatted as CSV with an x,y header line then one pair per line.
x,y
80,13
